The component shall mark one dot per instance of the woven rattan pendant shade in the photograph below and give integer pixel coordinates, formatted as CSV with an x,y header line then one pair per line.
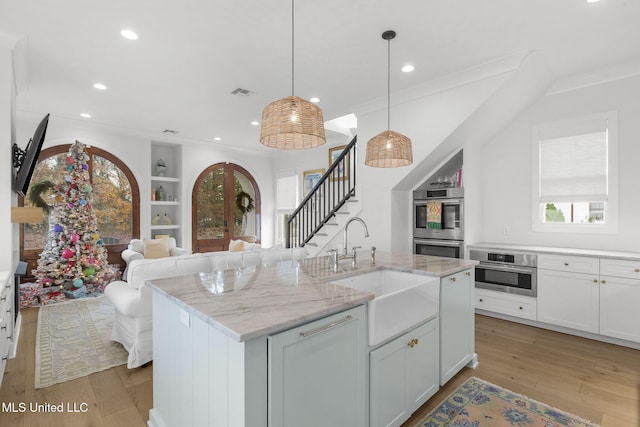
x,y
389,149
292,123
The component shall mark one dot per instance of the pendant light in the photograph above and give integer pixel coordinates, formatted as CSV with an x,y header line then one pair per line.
x,y
388,149
292,123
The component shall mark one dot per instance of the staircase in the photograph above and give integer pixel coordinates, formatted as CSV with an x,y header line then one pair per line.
x,y
328,206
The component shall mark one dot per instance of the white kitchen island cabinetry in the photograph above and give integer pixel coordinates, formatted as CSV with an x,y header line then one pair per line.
x,y
457,305
404,374
317,372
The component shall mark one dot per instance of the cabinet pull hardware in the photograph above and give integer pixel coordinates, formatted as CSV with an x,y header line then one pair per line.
x,y
481,300
325,327
637,270
413,342
417,341
520,308
3,299
603,282
566,263
4,327
595,280
468,273
453,279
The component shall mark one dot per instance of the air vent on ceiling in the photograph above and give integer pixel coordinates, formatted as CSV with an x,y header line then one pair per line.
x,y
170,131
240,91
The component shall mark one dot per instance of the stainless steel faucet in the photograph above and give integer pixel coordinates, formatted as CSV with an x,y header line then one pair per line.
x,y
346,229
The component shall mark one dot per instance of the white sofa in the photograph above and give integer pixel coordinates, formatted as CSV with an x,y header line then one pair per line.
x,y
135,251
132,299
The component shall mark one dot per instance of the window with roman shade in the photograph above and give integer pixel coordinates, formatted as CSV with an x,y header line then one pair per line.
x,y
286,202
575,180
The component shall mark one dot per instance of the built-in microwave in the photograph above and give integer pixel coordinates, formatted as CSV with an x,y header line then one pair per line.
x,y
438,214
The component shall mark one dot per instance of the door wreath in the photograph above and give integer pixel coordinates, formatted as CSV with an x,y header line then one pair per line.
x,y
244,204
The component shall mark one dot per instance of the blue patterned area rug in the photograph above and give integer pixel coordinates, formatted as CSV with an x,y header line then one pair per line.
x,y
477,403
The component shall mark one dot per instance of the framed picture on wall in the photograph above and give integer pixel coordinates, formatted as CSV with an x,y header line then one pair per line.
x,y
342,171
310,178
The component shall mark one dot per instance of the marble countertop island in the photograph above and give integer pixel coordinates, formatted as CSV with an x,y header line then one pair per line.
x,y
632,256
260,300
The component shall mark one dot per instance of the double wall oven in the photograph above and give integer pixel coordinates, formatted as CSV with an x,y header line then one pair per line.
x,y
438,222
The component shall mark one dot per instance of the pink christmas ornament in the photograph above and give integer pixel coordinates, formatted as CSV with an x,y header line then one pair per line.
x,y
74,238
67,253
70,160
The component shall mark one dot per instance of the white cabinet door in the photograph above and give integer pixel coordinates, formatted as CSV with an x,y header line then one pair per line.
x,y
317,372
619,308
403,375
457,306
569,299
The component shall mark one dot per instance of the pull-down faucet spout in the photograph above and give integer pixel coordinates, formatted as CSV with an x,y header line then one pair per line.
x,y
346,228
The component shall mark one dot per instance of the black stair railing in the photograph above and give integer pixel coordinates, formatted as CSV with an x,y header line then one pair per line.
x,y
336,186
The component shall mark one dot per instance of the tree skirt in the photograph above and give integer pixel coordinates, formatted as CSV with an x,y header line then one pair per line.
x,y
477,403
73,340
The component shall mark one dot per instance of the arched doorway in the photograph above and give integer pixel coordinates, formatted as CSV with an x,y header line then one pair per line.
x,y
220,194
116,202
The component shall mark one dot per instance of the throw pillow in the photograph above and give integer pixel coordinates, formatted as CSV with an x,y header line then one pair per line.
x,y
156,248
236,246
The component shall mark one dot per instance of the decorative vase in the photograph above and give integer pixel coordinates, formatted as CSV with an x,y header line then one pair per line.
x,y
160,194
161,168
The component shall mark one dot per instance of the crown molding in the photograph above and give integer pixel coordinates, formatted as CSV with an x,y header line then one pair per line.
x,y
596,77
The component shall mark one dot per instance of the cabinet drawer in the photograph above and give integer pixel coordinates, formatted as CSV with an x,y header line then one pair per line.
x,y
574,264
503,303
620,268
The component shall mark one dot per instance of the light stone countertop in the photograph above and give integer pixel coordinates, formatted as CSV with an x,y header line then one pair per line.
x,y
261,300
633,256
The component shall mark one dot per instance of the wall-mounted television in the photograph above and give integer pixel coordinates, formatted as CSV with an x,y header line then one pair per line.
x,y
25,160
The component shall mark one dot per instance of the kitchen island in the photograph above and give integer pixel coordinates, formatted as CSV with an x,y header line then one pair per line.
x,y
216,337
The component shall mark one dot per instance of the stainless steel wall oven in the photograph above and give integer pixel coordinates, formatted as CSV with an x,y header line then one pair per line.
x,y
438,222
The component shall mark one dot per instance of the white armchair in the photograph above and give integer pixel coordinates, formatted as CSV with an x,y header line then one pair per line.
x,y
136,250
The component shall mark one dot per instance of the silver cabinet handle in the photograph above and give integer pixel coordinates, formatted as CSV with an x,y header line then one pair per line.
x,y
325,327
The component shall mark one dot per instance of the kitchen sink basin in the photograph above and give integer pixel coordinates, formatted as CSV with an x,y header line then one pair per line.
x,y
402,300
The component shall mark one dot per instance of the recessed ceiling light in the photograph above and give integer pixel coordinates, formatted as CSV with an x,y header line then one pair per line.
x,y
99,86
129,34
593,1
254,123
217,138
85,115
408,68
315,100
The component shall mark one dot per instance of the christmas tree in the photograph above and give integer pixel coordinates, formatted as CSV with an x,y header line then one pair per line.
x,y
74,258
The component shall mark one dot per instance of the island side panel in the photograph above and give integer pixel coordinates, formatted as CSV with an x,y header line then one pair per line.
x,y
201,376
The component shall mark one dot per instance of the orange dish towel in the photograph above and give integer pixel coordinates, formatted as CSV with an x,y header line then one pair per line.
x,y
434,214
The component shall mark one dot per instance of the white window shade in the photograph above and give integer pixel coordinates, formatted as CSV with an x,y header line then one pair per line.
x,y
286,191
574,168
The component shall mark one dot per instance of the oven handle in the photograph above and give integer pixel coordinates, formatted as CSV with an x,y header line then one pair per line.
x,y
506,268
451,243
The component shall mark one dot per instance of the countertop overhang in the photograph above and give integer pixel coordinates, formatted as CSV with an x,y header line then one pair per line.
x,y
255,301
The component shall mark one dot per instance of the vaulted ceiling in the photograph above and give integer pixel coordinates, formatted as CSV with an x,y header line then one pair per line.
x,y
191,55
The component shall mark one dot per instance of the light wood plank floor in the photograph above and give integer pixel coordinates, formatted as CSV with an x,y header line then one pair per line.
x,y
597,381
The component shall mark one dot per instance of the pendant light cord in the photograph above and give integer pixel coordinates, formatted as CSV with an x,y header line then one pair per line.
x,y
388,84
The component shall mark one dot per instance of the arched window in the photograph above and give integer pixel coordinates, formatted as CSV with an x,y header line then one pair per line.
x,y
217,218
116,202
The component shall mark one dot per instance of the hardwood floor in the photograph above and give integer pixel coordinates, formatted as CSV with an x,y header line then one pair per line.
x,y
594,380
115,397
597,381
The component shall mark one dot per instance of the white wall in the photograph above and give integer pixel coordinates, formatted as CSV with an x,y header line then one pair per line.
x,y
135,151
8,252
505,164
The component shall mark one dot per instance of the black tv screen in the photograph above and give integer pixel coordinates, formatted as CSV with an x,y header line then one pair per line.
x,y
28,158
